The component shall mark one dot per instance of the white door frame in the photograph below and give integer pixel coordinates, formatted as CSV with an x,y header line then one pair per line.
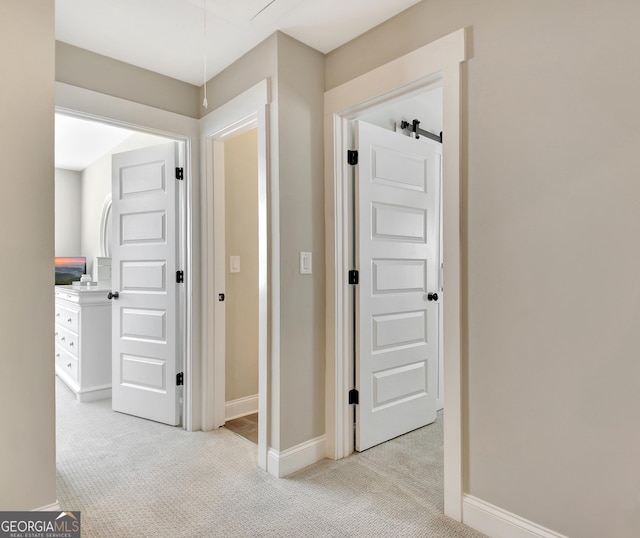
x,y
438,61
248,110
95,106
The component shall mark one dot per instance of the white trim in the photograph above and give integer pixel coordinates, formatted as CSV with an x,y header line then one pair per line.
x,y
499,523
215,159
404,76
249,109
298,457
241,407
123,113
94,393
55,507
88,104
440,397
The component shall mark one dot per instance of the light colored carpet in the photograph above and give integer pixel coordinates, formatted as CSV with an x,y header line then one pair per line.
x,y
134,478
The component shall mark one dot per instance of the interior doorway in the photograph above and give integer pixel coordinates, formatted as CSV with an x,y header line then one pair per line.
x,y
240,185
435,63
245,113
83,229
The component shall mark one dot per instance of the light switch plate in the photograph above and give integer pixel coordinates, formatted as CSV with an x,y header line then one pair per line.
x,y
305,263
234,264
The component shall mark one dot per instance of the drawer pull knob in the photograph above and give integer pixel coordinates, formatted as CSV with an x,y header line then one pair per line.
x,y
63,338
57,355
70,343
58,315
69,365
69,320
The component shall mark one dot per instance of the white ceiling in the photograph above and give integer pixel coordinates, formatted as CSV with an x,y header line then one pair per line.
x,y
167,36
80,143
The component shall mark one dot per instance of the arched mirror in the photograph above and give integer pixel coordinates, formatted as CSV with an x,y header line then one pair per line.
x,y
105,228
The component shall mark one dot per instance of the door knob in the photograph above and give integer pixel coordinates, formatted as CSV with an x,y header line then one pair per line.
x,y
432,297
113,295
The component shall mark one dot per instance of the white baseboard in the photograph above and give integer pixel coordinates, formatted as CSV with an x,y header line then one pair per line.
x,y
55,507
94,393
241,407
298,457
499,523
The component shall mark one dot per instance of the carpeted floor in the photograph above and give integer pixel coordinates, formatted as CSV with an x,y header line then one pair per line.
x,y
135,478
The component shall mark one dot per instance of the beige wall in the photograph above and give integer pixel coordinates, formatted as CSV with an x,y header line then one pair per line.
x,y
67,212
27,447
258,64
302,359
241,229
551,225
296,79
85,69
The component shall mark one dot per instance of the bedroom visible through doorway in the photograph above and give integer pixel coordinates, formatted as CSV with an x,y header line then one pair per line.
x,y
85,149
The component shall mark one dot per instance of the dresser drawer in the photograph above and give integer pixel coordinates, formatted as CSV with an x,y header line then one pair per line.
x,y
67,318
67,339
83,340
67,362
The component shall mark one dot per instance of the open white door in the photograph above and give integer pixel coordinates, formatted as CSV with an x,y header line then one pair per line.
x,y
144,310
397,253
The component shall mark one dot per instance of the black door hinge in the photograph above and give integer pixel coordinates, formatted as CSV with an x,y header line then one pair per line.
x,y
179,173
354,397
354,277
179,379
180,277
352,157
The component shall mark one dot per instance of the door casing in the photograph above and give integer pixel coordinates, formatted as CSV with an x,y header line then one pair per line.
x,y
90,105
436,63
246,111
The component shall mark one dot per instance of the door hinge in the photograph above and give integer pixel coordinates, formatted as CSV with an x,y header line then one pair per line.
x,y
352,157
179,379
354,397
180,277
179,173
354,277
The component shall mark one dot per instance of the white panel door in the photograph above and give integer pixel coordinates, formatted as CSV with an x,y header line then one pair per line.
x,y
397,253
144,253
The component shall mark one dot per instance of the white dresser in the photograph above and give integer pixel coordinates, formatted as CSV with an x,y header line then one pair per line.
x,y
83,341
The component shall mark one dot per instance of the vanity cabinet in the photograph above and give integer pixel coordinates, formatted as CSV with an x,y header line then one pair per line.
x,y
83,341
